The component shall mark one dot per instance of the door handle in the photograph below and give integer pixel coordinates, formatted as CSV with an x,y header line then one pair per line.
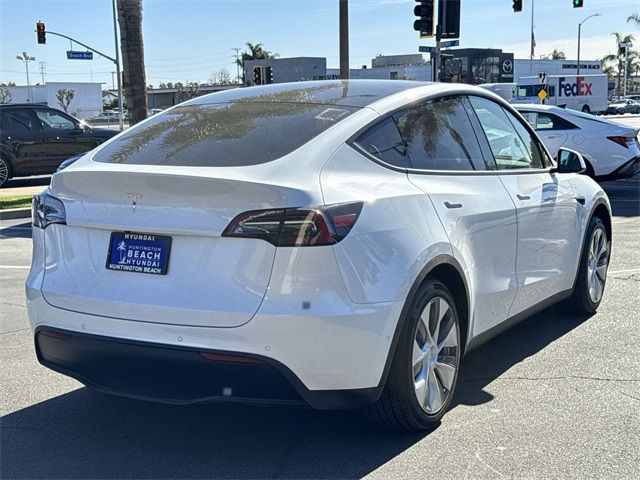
x,y
452,205
523,197
580,200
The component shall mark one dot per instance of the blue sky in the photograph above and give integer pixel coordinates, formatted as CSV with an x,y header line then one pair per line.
x,y
187,40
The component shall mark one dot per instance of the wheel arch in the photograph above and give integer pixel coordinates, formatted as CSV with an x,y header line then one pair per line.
x,y
447,270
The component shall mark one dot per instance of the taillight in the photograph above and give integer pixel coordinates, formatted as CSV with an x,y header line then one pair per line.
x,y
297,227
47,209
623,141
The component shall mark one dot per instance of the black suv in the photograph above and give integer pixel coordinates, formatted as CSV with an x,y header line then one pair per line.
x,y
35,139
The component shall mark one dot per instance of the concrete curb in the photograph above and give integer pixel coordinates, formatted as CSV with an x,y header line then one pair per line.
x,y
11,213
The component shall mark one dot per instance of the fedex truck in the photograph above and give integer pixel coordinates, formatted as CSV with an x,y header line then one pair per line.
x,y
587,93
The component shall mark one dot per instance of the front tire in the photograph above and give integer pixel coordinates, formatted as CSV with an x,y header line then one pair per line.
x,y
424,369
592,273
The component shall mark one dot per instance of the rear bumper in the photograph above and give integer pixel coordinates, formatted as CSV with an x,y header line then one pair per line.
x,y
628,169
181,375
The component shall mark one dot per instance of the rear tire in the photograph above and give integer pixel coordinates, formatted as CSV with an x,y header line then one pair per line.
x,y
586,109
424,369
592,271
5,171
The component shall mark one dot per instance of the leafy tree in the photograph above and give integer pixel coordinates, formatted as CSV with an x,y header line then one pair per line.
x,y
186,91
255,51
5,94
130,21
8,84
64,97
635,18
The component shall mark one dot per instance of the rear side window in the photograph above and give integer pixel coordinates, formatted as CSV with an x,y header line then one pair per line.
x,y
18,120
439,136
384,142
546,121
222,135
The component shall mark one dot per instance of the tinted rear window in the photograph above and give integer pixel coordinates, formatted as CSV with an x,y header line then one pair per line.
x,y
223,135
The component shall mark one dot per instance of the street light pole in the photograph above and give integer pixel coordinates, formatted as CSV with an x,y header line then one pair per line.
x,y
26,59
579,32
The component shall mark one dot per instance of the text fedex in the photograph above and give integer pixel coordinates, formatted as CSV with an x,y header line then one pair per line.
x,y
575,89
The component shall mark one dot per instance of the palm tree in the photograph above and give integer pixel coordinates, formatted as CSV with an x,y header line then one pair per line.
x,y
635,18
135,83
255,52
556,55
615,62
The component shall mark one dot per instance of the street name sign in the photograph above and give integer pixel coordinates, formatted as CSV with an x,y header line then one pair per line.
x,y
426,49
452,43
73,55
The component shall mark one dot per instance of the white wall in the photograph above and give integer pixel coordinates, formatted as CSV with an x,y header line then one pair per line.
x,y
86,103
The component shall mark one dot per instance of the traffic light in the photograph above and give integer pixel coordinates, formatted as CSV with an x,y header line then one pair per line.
x,y
424,24
449,18
578,3
42,38
257,75
517,6
268,75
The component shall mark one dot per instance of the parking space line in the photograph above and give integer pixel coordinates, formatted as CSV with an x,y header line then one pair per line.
x,y
20,267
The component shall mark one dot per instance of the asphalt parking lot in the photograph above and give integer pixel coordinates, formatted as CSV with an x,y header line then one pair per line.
x,y
557,396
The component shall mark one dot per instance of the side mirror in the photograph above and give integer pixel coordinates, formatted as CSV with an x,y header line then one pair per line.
x,y
570,161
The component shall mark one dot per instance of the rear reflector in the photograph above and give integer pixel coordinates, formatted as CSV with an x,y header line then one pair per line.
x,y
52,334
625,142
219,357
297,227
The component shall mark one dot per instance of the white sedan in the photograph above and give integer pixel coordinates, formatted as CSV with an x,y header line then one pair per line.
x,y
339,244
610,150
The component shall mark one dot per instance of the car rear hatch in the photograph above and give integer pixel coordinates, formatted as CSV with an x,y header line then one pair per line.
x,y
147,246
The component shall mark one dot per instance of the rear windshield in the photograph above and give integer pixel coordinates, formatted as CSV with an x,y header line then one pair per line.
x,y
222,135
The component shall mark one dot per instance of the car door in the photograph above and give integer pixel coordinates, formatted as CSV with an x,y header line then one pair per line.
x,y
447,163
552,129
22,139
64,137
547,209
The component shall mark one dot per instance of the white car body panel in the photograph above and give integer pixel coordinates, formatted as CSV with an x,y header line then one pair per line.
x,y
604,155
483,236
548,235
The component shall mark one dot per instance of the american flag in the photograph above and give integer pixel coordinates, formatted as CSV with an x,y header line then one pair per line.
x,y
533,44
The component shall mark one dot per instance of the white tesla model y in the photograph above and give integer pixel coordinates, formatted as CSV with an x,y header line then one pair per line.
x,y
339,244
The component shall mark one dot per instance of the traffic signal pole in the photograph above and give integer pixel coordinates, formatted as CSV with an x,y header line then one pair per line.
x,y
114,60
344,39
436,56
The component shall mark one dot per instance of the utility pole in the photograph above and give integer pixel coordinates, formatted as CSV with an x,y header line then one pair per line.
x,y
344,39
237,50
42,70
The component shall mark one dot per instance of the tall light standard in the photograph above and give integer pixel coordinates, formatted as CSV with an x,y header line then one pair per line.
x,y
26,59
579,31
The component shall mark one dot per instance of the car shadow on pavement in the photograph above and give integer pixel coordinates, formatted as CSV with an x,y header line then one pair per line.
x,y
22,230
84,434
489,361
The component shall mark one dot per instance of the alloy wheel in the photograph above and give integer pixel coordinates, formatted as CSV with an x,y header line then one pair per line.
x,y
435,355
597,264
4,172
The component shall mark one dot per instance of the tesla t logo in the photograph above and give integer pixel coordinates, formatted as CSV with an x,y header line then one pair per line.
x,y
576,89
134,197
